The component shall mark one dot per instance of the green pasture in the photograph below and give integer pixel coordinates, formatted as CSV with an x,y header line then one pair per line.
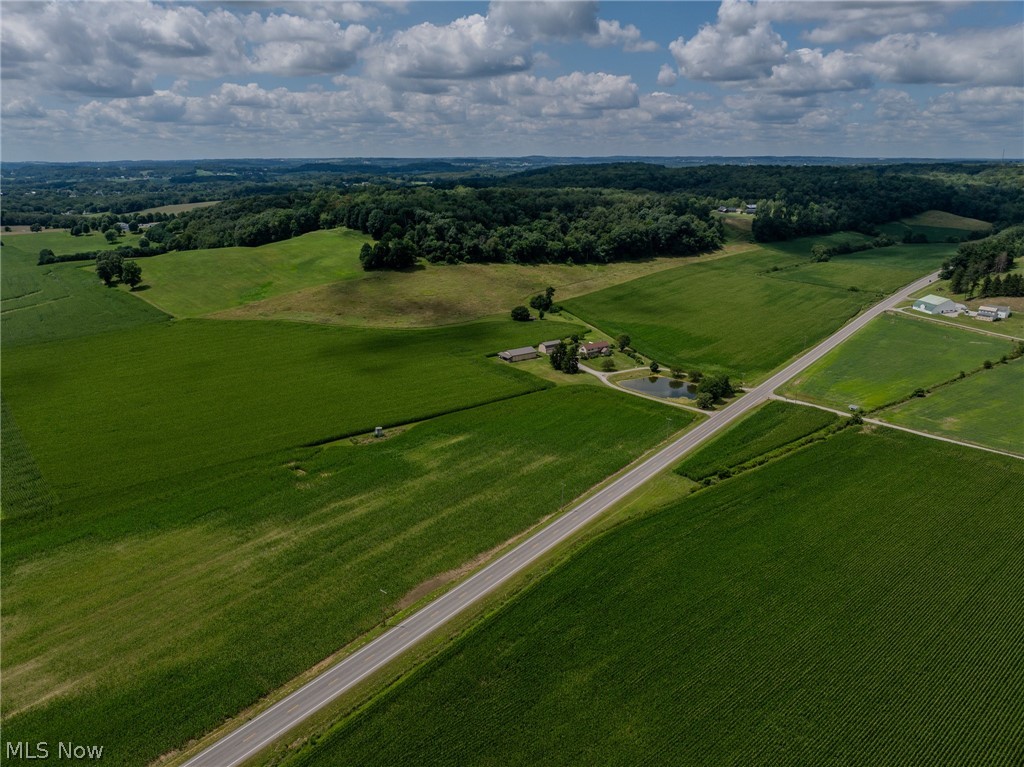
x,y
153,401
768,428
59,301
192,283
889,359
26,246
878,270
936,225
143,616
857,602
722,316
986,408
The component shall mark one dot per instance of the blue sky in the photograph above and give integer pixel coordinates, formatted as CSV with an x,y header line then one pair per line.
x,y
164,80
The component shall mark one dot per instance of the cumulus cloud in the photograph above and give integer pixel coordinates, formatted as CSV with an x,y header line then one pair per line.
x,y
667,76
728,52
612,33
981,57
533,19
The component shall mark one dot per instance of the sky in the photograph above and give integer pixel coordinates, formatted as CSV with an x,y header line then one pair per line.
x,y
91,80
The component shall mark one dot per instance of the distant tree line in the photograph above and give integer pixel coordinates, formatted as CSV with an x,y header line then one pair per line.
x,y
798,201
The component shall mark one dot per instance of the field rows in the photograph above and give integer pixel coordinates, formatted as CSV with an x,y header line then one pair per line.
x,y
814,611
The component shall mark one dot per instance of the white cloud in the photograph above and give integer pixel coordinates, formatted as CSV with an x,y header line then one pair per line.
x,y
611,33
807,71
667,76
533,19
728,53
979,57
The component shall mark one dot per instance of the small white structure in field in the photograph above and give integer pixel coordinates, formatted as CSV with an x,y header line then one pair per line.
x,y
516,355
378,431
932,304
546,347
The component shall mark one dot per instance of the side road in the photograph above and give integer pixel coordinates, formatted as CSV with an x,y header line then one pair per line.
x,y
241,744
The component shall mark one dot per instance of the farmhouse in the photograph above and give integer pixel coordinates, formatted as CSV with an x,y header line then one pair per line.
x,y
517,355
595,349
546,347
993,313
751,209
932,304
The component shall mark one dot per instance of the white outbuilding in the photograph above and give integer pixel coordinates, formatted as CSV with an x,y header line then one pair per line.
x,y
932,304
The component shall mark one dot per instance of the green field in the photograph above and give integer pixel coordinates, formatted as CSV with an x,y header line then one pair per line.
x,y
889,359
23,490
857,602
141,617
770,427
936,225
192,283
879,270
57,301
737,316
987,408
442,294
155,401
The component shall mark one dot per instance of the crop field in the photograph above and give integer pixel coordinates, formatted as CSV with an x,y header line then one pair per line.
x,y
140,617
195,393
889,359
59,301
442,294
986,408
814,611
180,207
192,283
23,490
768,428
722,316
879,270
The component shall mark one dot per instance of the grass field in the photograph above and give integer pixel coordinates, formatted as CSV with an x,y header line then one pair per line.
x,y
936,225
987,409
154,401
879,270
141,617
59,301
196,282
770,427
889,359
180,207
736,316
441,294
815,611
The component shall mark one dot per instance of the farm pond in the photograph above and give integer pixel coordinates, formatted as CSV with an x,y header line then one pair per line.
x,y
660,386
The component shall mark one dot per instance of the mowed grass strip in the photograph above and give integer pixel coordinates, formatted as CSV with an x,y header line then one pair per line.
x,y
889,359
733,315
58,301
192,283
857,602
768,428
986,408
143,617
156,401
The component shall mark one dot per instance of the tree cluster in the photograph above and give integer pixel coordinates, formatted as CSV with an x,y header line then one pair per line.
x,y
718,387
565,358
976,261
111,266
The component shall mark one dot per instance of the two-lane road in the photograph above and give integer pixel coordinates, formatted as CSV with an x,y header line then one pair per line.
x,y
239,745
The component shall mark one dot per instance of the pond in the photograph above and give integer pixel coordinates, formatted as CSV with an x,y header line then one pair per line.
x,y
659,386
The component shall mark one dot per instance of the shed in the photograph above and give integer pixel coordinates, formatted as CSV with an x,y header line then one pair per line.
x,y
517,355
546,347
932,304
992,313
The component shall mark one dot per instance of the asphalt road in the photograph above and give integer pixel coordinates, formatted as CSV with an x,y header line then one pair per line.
x,y
241,744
